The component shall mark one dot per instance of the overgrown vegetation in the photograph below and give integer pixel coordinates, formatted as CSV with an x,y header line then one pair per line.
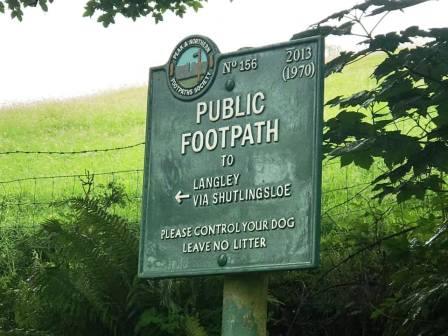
x,y
77,276
384,269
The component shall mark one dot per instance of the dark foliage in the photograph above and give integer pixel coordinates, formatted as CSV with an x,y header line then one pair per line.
x,y
107,10
394,282
79,277
403,121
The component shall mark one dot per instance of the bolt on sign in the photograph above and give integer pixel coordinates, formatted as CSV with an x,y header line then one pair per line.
x,y
233,160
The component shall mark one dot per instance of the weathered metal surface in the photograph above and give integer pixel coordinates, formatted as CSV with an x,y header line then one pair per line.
x,y
233,165
244,310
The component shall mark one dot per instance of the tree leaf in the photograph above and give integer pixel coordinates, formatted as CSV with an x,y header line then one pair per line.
x,y
320,30
388,42
364,160
337,64
89,9
334,101
338,16
388,5
346,160
43,5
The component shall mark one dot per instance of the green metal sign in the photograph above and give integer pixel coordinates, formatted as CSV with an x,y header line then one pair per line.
x,y
233,163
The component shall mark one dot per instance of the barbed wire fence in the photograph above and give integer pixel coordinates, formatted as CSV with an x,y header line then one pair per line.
x,y
85,151
27,202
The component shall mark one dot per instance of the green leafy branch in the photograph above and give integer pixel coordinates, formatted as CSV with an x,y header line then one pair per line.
x,y
107,10
403,120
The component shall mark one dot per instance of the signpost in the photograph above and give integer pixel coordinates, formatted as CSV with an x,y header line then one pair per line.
x,y
233,168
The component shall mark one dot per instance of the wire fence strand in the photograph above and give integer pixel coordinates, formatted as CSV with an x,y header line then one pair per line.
x,y
84,151
29,201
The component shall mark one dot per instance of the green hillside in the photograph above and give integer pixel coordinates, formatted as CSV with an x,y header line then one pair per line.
x,y
108,120
116,119
104,121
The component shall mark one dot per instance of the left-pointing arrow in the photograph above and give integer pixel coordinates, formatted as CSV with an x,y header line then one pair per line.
x,y
180,197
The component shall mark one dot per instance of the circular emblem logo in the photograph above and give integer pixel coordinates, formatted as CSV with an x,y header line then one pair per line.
x,y
191,67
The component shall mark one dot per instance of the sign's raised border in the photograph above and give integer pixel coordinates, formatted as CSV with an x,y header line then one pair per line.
x,y
317,172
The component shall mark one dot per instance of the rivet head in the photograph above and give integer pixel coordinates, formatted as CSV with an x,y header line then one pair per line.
x,y
222,260
230,84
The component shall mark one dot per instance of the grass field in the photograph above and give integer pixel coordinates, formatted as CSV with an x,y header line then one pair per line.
x,y
109,120
117,119
104,121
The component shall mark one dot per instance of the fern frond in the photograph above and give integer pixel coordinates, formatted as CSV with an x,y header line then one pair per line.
x,y
193,327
